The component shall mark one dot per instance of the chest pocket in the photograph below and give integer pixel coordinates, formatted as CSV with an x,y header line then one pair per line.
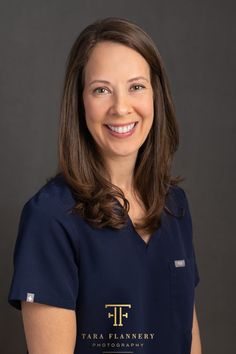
x,y
182,292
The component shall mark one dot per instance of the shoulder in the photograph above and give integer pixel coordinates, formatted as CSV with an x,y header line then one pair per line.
x,y
178,193
53,198
176,201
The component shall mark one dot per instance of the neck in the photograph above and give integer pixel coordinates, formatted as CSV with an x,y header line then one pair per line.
x,y
121,170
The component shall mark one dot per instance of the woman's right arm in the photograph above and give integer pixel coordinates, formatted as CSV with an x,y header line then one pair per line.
x,y
48,329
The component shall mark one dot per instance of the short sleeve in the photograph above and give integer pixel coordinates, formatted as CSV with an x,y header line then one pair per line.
x,y
196,272
192,250
45,263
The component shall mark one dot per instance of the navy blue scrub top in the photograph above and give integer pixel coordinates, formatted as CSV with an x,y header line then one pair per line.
x,y
129,296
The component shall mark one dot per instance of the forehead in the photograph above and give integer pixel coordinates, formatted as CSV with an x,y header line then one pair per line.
x,y
115,60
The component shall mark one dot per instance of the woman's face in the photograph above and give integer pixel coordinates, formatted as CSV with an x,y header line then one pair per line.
x,y
118,99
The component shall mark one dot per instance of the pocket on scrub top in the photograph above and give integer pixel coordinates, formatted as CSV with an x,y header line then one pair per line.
x,y
182,292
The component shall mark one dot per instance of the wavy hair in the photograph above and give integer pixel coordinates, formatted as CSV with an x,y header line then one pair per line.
x,y
79,160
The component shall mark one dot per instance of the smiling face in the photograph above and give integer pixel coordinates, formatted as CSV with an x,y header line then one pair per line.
x,y
118,99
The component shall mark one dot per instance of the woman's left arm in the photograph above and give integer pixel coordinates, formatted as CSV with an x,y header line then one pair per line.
x,y
196,341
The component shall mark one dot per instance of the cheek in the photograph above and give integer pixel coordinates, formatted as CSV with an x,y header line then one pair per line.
x,y
90,114
93,112
146,108
93,118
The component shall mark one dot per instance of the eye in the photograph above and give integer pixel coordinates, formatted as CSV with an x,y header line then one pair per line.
x,y
138,85
96,90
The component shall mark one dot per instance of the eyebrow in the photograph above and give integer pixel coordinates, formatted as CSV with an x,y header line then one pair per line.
x,y
130,80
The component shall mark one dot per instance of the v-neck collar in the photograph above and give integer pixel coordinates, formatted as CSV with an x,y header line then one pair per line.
x,y
146,245
174,205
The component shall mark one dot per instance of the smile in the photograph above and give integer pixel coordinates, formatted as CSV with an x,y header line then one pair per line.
x,y
122,129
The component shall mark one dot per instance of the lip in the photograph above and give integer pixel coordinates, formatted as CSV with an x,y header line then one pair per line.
x,y
122,135
121,124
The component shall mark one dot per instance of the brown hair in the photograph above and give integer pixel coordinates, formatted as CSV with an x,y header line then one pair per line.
x,y
79,161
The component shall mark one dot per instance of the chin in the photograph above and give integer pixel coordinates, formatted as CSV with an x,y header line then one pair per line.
x,y
125,153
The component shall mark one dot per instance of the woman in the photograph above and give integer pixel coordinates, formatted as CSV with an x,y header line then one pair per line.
x,y
104,261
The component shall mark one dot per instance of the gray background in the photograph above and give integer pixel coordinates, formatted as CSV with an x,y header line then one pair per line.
x,y
197,42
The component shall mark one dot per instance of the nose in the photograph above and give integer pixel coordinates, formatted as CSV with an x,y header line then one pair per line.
x,y
121,104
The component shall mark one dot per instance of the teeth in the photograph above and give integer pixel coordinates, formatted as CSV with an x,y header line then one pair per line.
x,y
123,129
